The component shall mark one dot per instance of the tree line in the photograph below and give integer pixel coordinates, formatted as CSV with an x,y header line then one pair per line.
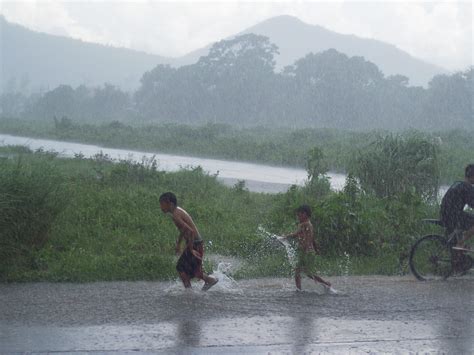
x,y
236,83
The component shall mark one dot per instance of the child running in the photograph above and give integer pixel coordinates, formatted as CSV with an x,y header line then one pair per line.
x,y
307,249
190,261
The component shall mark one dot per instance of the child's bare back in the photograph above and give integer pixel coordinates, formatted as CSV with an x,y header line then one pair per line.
x,y
185,224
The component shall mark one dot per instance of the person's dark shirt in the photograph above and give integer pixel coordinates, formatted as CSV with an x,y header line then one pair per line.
x,y
460,194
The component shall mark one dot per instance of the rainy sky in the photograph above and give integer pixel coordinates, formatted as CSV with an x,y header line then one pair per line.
x,y
438,32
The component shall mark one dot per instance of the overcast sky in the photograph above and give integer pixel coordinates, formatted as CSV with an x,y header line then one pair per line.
x,y
439,32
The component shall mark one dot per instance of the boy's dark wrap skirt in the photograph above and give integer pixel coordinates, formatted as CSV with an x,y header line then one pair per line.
x,y
189,264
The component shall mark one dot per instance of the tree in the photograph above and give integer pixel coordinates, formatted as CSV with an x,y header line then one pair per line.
x,y
316,164
231,84
331,89
449,102
392,165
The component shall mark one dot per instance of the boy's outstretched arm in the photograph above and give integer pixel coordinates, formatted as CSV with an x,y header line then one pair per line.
x,y
294,234
291,235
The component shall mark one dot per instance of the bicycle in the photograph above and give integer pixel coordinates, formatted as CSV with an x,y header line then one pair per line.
x,y
432,257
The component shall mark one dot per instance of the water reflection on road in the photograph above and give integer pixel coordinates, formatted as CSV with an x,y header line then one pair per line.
x,y
379,314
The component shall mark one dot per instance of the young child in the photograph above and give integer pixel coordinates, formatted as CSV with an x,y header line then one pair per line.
x,y
307,249
190,261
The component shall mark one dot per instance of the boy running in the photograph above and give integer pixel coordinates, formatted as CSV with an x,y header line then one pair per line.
x,y
307,249
190,261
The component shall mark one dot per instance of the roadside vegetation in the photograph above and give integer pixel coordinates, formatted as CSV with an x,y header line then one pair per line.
x,y
92,219
274,146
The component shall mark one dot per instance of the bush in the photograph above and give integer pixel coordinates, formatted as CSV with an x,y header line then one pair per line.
x,y
31,197
396,164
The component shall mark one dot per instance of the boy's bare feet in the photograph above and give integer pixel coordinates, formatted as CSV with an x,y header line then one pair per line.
x,y
208,285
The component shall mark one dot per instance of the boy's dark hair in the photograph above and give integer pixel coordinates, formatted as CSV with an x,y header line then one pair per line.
x,y
469,172
169,197
304,209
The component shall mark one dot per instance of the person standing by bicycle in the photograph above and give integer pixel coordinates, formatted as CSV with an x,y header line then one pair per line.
x,y
452,213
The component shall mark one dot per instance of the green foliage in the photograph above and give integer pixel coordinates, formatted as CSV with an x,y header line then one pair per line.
x,y
112,226
32,194
271,146
394,164
91,219
236,84
316,164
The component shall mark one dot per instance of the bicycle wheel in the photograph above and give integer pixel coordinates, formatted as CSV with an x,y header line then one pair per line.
x,y
430,258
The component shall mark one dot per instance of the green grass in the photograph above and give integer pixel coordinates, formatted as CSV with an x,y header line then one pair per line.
x,y
87,220
276,146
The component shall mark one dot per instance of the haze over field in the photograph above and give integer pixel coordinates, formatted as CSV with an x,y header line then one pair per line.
x,y
280,72
436,32
61,60
350,118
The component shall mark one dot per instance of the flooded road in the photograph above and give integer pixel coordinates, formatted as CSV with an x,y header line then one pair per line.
x,y
371,314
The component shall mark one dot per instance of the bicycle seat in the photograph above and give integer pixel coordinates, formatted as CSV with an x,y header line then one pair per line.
x,y
434,221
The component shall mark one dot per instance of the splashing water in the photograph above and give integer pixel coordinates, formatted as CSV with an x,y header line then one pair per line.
x,y
290,251
291,254
226,283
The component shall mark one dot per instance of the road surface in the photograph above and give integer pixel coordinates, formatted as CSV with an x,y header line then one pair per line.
x,y
371,314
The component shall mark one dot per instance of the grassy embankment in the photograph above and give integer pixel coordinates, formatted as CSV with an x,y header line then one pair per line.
x,y
261,145
86,220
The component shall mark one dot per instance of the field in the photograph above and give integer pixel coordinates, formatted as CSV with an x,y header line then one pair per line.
x,y
91,219
283,147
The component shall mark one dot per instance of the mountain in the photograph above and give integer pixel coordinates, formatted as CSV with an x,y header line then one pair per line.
x,y
38,61
43,61
295,39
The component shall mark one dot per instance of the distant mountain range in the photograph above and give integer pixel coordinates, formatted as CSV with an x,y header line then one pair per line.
x,y
42,61
295,39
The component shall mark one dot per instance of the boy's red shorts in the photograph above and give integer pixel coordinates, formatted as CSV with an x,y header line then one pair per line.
x,y
189,264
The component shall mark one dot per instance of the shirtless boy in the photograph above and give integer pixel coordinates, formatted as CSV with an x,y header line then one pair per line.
x,y
307,249
190,261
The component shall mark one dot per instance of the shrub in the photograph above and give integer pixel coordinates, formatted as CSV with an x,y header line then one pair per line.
x,y
31,197
395,164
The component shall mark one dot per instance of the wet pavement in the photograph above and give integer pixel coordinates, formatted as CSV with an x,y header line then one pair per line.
x,y
370,315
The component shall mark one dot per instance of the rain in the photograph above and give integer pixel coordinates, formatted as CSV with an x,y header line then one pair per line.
x,y
232,177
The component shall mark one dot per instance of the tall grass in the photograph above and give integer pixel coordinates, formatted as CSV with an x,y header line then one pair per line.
x,y
32,194
91,219
287,147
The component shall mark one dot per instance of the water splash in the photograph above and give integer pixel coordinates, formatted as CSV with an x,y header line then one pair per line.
x,y
290,251
226,283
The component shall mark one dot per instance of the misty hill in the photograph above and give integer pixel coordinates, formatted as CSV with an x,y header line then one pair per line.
x,y
295,39
42,61
236,84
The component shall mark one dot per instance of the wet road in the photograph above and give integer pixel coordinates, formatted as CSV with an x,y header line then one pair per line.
x,y
371,314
